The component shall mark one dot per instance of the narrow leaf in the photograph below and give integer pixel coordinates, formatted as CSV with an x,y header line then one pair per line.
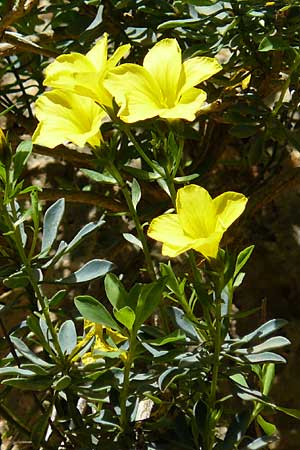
x,y
133,240
269,344
242,258
98,177
90,271
135,193
52,220
21,156
261,442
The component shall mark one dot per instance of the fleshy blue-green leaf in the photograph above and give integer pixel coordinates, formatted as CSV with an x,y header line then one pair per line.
x,y
67,337
90,271
52,221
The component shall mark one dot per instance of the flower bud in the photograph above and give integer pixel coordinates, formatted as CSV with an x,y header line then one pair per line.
x,y
5,151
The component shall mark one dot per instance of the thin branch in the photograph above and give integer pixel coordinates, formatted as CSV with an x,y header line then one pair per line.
x,y
21,43
20,9
87,198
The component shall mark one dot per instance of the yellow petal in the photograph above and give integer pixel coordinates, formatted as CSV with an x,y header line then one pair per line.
x,y
229,206
246,81
167,229
163,62
196,211
98,55
59,73
117,55
135,92
196,70
187,107
67,117
209,246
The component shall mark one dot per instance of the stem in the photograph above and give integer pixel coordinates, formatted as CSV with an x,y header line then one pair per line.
x,y
41,299
215,374
126,383
117,175
197,281
141,151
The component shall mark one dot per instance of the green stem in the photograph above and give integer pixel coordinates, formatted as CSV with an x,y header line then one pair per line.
x,y
198,281
126,383
141,151
118,177
41,299
215,374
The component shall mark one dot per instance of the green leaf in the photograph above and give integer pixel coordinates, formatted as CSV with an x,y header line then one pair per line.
x,y
27,353
261,442
29,384
90,271
135,193
242,258
262,331
99,177
148,300
263,357
62,383
178,23
67,337
115,291
184,323
133,240
272,43
186,178
267,427
15,371
83,233
170,375
57,298
52,220
172,281
126,316
39,428
16,280
176,336
268,375
289,411
35,212
269,344
21,156
236,430
94,311
142,174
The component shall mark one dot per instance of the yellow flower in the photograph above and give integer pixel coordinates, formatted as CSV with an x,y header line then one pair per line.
x,y
67,117
84,74
163,86
200,221
100,345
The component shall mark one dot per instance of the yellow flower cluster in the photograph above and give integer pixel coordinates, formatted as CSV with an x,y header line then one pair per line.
x,y
101,346
82,85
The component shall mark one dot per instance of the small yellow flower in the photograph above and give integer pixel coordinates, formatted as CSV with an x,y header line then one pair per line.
x,y
100,345
163,86
200,221
66,117
84,74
